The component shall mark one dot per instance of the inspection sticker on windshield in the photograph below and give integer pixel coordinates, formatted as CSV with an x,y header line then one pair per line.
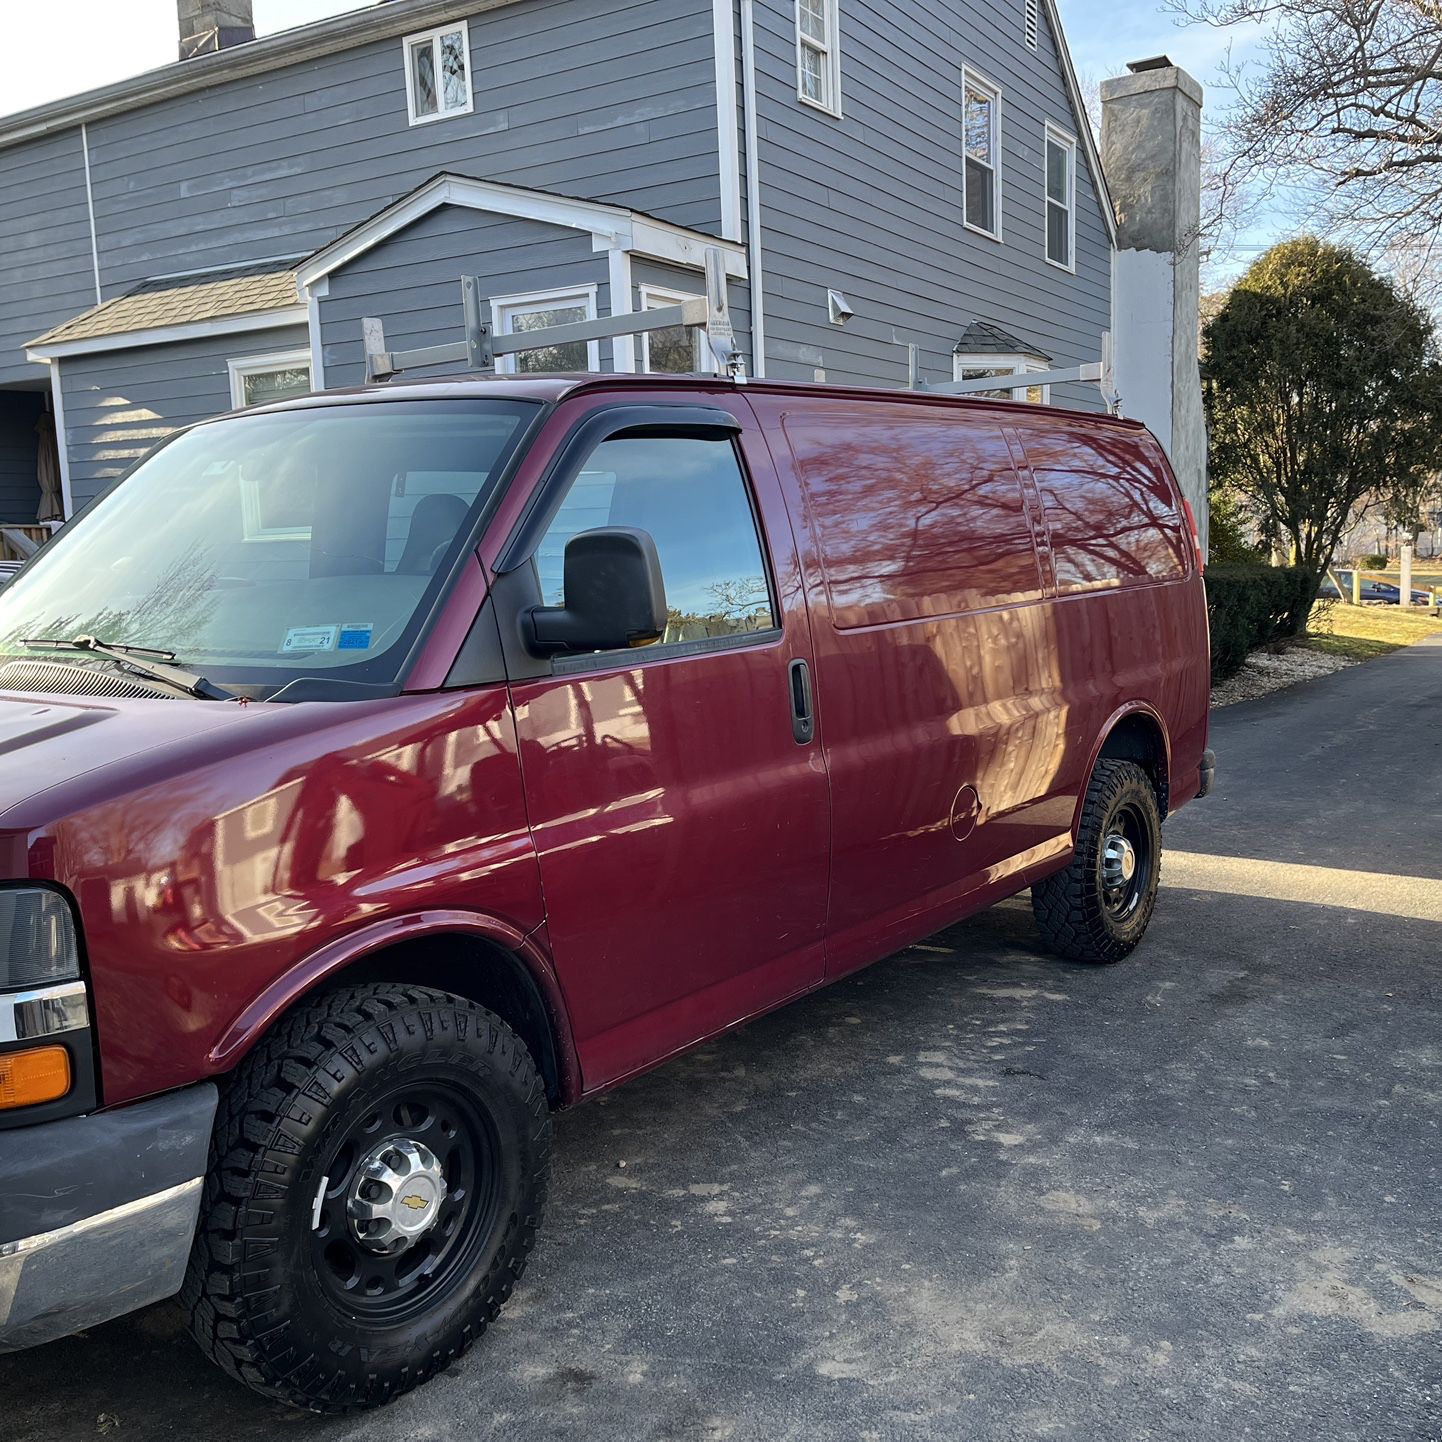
x,y
355,636
310,638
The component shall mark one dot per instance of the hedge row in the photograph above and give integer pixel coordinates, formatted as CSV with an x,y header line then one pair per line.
x,y
1250,605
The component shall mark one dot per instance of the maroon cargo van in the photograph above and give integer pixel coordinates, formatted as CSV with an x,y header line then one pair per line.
x,y
382,770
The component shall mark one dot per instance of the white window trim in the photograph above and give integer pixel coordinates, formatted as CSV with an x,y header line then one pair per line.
x,y
830,52
1056,135
1017,365
977,81
434,36
654,297
504,309
249,365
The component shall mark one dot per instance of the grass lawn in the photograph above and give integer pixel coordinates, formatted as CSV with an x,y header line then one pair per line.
x,y
1362,632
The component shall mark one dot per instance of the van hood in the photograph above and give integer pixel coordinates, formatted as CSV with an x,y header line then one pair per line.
x,y
52,747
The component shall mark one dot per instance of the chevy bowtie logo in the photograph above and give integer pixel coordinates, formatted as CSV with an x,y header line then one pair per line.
x,y
415,1203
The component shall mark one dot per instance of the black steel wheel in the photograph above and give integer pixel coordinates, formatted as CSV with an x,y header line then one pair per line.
x,y
1098,909
377,1178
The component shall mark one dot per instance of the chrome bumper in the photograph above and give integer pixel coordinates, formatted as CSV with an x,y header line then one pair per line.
x,y
124,1188
78,1276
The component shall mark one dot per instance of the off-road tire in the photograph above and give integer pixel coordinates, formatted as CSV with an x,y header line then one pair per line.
x,y
1071,907
254,1296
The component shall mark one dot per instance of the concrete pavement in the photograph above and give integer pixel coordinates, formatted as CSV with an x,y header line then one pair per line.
x,y
978,1193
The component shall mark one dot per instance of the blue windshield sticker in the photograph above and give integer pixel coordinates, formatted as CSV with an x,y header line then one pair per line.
x,y
355,636
309,638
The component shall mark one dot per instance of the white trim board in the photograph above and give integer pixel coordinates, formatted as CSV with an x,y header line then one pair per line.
x,y
168,335
611,227
728,129
62,446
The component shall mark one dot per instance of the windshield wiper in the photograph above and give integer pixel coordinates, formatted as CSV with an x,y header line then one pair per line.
x,y
134,657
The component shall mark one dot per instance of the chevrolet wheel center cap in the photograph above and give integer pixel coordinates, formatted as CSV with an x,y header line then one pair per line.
x,y
396,1196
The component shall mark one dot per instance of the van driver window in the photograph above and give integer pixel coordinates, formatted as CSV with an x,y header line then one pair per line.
x,y
689,494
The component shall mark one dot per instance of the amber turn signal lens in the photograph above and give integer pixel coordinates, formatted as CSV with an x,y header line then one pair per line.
x,y
41,1074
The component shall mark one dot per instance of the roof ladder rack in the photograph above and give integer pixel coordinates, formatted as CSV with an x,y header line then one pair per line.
x,y
710,314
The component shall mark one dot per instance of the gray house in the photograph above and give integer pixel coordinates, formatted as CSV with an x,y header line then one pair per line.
x,y
210,234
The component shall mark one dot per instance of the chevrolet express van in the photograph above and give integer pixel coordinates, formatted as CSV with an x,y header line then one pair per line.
x,y
382,770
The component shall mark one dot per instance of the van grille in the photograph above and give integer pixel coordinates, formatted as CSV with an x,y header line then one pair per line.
x,y
76,678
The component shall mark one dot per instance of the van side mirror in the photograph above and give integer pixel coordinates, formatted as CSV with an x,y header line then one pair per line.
x,y
614,595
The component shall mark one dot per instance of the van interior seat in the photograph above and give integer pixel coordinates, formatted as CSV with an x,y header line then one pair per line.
x,y
434,524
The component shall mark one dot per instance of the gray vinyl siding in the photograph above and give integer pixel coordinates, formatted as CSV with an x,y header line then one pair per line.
x,y
613,100
871,203
19,483
46,274
121,404
411,282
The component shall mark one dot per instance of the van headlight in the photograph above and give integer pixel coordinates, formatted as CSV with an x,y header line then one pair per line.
x,y
37,939
47,1064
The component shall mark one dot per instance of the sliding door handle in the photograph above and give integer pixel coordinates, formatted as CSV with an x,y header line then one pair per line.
x,y
803,719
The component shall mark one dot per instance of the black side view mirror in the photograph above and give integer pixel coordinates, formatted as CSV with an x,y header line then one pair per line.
x,y
614,595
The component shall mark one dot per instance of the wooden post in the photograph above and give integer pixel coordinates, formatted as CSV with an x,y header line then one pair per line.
x,y
1404,597
1356,585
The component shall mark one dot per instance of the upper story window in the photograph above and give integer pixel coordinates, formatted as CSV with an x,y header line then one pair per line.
x,y
1060,199
818,56
517,314
438,73
981,170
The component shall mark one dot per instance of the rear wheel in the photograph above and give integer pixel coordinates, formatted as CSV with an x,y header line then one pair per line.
x,y
376,1182
1097,910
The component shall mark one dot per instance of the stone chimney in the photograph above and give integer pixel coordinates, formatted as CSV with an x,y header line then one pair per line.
x,y
1152,159
210,25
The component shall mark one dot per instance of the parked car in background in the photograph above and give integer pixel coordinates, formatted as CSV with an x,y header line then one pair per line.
x,y
457,750
1380,592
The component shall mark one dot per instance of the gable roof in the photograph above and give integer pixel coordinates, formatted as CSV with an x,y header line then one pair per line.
x,y
238,298
613,227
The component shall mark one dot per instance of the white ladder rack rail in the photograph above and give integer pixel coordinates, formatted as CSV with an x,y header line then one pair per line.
x,y
710,314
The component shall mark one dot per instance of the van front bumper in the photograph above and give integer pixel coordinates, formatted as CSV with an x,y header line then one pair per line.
x,y
97,1213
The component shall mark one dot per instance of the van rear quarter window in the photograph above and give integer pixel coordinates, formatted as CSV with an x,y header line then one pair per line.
x,y
1109,508
914,516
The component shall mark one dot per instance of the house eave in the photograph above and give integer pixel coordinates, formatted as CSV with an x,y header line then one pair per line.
x,y
287,47
611,227
44,352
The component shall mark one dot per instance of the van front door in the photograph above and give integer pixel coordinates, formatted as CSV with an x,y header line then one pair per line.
x,y
679,810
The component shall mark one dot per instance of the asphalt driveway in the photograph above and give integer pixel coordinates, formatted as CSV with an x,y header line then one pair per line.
x,y
978,1193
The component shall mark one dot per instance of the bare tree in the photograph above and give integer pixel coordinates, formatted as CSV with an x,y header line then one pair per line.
x,y
1344,106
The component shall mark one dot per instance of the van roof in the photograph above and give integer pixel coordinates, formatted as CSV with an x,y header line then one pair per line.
x,y
558,387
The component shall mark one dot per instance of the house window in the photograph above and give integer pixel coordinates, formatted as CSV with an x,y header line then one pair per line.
x,y
438,73
980,367
1060,198
1031,24
981,132
257,379
818,58
677,350
518,314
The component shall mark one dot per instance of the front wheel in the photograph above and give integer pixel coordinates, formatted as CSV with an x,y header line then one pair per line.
x,y
377,1178
1098,908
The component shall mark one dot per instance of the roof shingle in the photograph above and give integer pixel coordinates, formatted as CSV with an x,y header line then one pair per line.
x,y
183,300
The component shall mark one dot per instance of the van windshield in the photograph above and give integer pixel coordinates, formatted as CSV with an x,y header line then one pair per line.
x,y
260,549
